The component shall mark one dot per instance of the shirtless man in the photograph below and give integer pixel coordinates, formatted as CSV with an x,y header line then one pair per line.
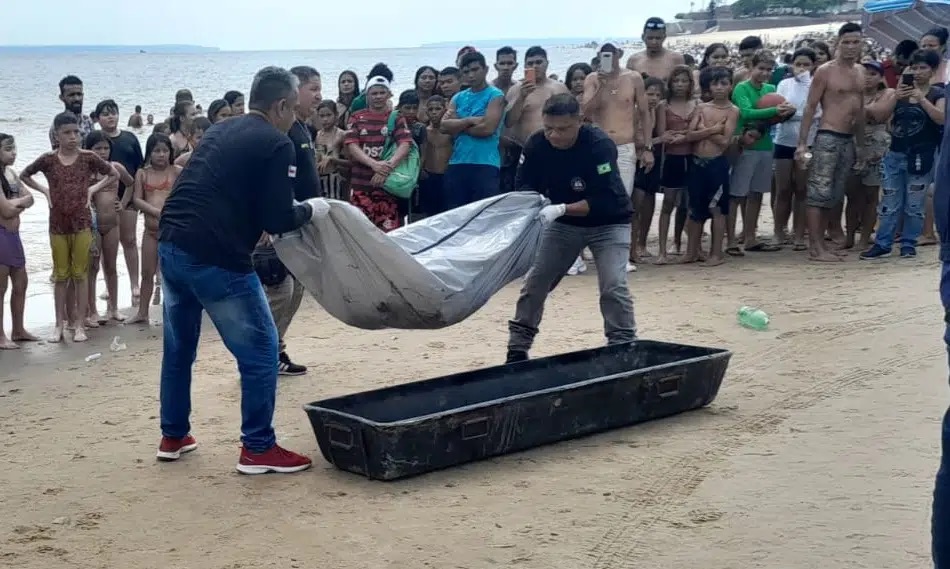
x,y
747,48
655,60
838,86
506,61
527,98
615,100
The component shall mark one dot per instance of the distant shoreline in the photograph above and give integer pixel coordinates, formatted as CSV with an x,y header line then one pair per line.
x,y
63,49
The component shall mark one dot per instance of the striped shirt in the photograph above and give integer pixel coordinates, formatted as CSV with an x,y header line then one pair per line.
x,y
368,129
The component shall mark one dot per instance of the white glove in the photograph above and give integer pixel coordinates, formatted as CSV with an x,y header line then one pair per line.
x,y
549,213
320,207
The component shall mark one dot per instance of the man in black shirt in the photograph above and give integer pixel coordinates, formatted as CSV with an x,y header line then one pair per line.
x,y
284,292
575,166
941,501
127,151
238,184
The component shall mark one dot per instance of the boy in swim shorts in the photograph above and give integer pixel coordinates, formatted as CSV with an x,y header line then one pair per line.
x,y
711,129
69,171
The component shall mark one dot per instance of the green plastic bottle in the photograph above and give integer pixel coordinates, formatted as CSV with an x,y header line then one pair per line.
x,y
753,318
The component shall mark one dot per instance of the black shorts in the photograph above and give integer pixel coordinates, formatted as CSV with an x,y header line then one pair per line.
x,y
648,181
708,187
675,171
431,198
784,152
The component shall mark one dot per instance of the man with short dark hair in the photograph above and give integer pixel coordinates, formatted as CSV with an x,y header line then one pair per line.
x,y
655,60
575,166
284,292
71,94
747,48
506,61
475,118
523,114
238,184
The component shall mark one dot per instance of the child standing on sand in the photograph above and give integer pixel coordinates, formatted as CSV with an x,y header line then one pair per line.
x,y
106,207
435,159
710,130
13,200
69,171
153,183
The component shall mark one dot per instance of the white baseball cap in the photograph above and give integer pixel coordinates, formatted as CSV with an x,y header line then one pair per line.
x,y
378,81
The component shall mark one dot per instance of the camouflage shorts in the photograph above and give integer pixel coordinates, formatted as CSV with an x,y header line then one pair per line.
x,y
830,168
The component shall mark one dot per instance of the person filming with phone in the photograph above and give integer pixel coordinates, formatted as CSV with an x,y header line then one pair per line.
x,y
615,100
575,166
908,166
526,99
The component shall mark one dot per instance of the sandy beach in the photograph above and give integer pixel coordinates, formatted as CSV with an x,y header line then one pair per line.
x,y
819,451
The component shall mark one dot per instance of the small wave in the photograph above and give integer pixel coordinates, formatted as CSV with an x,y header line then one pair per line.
x,y
5,119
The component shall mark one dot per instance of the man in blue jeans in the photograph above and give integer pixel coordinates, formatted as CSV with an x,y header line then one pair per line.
x,y
941,508
238,185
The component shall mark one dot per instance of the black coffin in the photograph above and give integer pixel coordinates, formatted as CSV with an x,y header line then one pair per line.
x,y
409,429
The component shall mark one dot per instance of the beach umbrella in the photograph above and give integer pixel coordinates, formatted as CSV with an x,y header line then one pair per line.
x,y
891,21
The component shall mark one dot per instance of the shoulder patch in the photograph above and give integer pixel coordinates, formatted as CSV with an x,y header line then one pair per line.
x,y
604,168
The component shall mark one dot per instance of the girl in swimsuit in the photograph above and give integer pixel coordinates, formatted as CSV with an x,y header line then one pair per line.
x,y
105,206
183,115
153,183
14,198
196,133
677,153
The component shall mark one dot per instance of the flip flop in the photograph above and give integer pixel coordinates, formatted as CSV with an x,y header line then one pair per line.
x,y
735,252
763,248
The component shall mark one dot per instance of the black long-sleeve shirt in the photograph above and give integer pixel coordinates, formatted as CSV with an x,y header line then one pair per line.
x,y
585,171
238,184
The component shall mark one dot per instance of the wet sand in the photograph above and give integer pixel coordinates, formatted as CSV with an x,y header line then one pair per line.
x,y
819,451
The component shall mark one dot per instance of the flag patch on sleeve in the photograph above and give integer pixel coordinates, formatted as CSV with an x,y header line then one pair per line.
x,y
604,168
291,171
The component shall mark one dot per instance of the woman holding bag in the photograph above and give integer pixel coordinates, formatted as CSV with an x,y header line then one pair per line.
x,y
367,133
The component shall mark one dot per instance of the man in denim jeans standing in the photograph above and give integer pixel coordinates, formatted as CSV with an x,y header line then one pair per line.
x,y
941,508
238,184
575,165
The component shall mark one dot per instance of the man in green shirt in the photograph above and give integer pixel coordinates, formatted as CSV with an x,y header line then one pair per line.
x,y
752,173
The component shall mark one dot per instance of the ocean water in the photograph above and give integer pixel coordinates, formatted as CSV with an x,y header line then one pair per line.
x,y
28,103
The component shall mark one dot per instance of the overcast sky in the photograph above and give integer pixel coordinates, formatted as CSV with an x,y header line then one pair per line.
x,y
317,24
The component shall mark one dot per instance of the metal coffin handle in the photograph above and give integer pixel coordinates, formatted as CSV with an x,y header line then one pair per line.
x,y
340,436
669,386
475,429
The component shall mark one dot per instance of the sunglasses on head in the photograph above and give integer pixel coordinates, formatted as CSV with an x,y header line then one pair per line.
x,y
655,26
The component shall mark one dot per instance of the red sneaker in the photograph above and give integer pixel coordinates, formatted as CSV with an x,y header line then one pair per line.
x,y
274,459
171,448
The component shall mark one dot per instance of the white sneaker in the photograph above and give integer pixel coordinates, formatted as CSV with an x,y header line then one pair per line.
x,y
587,255
631,268
577,268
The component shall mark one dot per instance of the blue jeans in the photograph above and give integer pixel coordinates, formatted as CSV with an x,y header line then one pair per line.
x,y
941,507
238,308
904,195
467,183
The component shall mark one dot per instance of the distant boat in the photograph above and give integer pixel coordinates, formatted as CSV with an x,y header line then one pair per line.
x,y
141,51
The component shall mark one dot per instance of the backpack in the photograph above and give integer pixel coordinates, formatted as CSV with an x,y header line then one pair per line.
x,y
402,180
